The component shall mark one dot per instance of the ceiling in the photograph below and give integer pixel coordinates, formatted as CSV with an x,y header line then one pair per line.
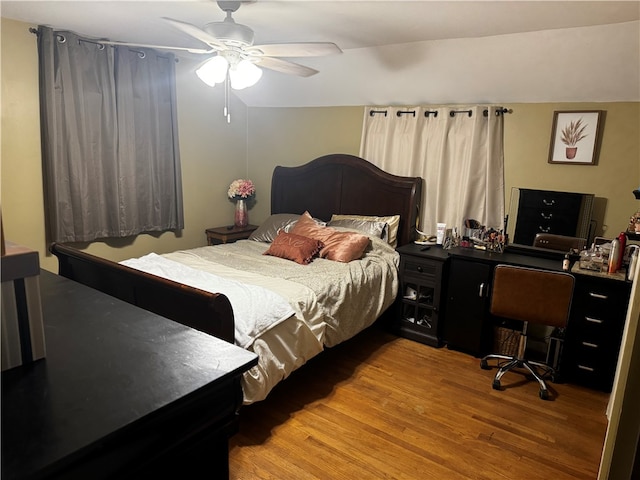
x,y
397,52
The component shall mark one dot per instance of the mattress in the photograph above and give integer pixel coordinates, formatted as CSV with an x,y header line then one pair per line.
x,y
329,301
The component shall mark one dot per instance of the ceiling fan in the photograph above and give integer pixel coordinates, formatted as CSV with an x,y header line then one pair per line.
x,y
237,56
234,60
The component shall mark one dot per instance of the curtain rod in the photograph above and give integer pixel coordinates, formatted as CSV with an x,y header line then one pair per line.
x,y
101,43
452,113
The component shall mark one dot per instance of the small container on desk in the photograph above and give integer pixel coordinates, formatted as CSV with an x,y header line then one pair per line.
x,y
228,234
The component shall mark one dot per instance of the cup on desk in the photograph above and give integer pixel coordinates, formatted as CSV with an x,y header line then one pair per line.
x,y
442,227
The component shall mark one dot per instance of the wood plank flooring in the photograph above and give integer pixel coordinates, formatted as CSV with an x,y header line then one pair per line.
x,y
384,407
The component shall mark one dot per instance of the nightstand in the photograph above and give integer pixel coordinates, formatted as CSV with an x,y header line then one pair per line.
x,y
418,303
218,235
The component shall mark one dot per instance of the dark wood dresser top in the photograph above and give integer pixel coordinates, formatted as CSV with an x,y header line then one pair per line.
x,y
109,367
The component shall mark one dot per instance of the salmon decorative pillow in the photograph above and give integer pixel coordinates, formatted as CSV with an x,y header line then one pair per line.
x,y
294,247
338,246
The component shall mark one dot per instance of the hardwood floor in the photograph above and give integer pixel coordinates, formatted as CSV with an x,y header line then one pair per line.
x,y
381,407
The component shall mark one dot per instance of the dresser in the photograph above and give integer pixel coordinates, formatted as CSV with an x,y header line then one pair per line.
x,y
122,393
559,213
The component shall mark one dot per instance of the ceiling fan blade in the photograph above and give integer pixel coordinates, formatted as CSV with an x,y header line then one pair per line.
x,y
161,47
309,49
285,66
196,33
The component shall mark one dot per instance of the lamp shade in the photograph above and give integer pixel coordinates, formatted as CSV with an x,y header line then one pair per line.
x,y
213,71
244,74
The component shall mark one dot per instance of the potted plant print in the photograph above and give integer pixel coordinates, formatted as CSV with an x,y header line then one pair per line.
x,y
571,135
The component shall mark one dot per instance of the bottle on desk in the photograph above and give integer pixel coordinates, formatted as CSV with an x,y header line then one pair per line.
x,y
566,262
622,238
614,257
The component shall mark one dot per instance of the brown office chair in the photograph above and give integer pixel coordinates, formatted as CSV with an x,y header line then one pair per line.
x,y
531,296
562,243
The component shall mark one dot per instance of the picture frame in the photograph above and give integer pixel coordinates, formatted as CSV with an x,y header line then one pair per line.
x,y
575,137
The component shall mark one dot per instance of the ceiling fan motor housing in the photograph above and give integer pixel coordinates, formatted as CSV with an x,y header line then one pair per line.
x,y
231,33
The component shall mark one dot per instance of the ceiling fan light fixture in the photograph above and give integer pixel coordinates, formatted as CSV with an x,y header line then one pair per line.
x,y
213,70
244,74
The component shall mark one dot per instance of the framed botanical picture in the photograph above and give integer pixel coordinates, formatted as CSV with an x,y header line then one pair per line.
x,y
574,137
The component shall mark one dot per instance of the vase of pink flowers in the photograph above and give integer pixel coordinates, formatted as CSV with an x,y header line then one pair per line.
x,y
241,191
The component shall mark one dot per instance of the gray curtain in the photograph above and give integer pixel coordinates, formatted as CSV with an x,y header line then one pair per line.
x,y
110,153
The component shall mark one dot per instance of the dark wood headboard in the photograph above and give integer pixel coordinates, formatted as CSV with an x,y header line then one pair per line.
x,y
346,184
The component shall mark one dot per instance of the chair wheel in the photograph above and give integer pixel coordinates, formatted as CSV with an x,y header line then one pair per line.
x,y
484,365
544,394
496,384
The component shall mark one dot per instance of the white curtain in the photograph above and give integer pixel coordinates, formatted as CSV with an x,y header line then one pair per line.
x,y
457,150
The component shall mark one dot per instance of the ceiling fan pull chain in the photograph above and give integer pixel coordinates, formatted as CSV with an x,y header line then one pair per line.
x,y
225,111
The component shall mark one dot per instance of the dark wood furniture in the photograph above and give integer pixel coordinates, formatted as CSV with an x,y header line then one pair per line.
x,y
468,326
594,333
331,184
208,312
122,393
544,211
419,297
346,184
228,234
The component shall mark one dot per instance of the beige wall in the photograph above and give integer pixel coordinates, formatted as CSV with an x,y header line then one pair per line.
x,y
293,136
213,153
616,175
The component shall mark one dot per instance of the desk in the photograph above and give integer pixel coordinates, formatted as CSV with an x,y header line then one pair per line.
x,y
121,393
595,326
467,323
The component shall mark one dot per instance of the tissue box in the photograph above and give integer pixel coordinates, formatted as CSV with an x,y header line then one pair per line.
x,y
22,333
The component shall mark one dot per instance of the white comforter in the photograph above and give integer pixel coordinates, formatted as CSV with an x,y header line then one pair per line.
x,y
330,301
255,309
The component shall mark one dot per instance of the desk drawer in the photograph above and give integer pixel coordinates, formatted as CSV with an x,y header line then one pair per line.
x,y
595,330
549,200
423,271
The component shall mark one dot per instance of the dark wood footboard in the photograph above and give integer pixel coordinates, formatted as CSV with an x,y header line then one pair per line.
x,y
208,312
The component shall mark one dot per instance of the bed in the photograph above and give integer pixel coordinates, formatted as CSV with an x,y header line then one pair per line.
x,y
315,302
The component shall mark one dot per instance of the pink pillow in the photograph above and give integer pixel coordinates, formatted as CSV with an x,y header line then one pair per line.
x,y
338,246
294,247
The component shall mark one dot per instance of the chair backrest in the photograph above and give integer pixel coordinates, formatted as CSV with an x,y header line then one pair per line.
x,y
562,243
532,295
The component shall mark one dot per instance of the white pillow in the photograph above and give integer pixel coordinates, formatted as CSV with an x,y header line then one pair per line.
x,y
393,221
368,227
